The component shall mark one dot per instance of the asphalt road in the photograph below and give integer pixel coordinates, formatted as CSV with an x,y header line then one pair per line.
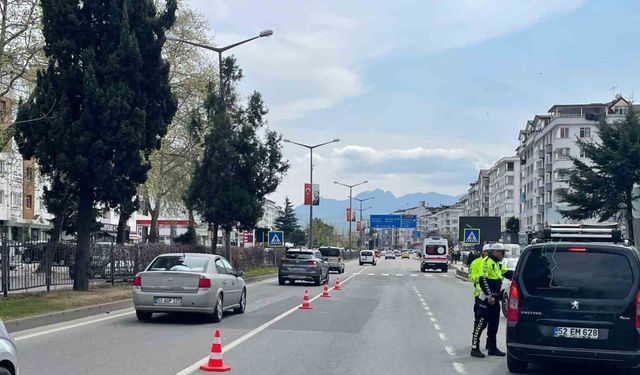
x,y
388,319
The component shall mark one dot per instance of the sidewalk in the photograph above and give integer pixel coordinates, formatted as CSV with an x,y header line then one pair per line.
x,y
462,271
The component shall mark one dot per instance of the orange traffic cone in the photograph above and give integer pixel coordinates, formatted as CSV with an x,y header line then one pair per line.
x,y
215,363
337,287
325,291
305,301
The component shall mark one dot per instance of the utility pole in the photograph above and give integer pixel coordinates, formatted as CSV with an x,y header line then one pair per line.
x,y
350,202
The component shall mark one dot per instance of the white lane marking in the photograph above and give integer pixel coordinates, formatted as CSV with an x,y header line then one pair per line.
x,y
428,275
430,313
459,367
257,330
450,350
262,282
444,275
425,305
421,299
414,275
371,274
436,326
434,320
54,330
384,274
399,274
443,337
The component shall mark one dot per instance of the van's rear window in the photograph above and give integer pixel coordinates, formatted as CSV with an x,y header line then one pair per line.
x,y
435,250
366,253
554,272
330,252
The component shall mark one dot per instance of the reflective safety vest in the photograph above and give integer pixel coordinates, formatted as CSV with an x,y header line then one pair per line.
x,y
490,280
475,271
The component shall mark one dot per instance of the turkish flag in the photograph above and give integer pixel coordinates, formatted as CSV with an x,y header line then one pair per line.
x,y
308,194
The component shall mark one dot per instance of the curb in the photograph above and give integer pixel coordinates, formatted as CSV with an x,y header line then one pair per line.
x,y
462,275
83,312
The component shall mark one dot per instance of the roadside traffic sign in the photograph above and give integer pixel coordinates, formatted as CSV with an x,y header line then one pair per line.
x,y
472,236
275,239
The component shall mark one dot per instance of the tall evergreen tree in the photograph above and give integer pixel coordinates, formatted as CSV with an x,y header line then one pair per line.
x,y
287,220
239,167
603,188
106,87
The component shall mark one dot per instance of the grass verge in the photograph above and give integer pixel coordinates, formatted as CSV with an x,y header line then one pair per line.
x,y
29,304
260,272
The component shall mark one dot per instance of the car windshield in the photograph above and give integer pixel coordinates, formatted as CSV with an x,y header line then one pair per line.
x,y
577,274
179,264
299,255
330,252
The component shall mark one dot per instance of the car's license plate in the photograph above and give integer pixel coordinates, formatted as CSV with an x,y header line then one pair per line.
x,y
576,333
167,301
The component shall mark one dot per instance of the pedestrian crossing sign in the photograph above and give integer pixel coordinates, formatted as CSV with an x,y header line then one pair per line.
x,y
472,236
275,239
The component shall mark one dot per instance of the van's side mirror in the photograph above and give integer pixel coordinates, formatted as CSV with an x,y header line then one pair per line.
x,y
325,259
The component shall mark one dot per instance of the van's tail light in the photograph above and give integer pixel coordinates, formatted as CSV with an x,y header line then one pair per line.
x,y
638,310
513,302
204,282
137,281
312,262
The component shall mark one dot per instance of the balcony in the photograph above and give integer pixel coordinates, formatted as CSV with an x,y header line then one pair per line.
x,y
540,154
548,167
540,172
540,208
548,148
548,205
547,187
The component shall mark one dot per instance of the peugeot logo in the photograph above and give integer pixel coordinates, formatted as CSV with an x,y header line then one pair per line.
x,y
575,305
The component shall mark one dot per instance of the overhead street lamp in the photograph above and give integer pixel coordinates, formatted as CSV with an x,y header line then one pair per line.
x,y
219,51
350,198
361,222
311,147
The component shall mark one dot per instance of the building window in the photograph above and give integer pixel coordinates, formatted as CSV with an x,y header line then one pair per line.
x,y
620,111
585,132
510,167
510,180
582,154
1,196
563,133
563,153
28,201
29,174
16,199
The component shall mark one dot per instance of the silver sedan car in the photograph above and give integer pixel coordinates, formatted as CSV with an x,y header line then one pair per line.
x,y
8,353
187,282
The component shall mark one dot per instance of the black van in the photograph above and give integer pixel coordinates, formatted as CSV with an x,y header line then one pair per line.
x,y
575,302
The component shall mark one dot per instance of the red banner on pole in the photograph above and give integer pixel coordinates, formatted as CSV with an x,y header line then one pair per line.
x,y
349,217
308,194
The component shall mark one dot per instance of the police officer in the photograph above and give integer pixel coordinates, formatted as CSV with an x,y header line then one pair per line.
x,y
475,271
487,312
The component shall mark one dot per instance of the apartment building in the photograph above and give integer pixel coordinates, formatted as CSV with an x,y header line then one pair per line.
x,y
504,189
270,213
545,146
478,193
445,221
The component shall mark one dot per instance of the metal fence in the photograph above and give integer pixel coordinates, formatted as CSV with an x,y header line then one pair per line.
x,y
38,266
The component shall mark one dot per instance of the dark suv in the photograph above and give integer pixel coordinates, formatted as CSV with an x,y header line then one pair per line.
x,y
575,301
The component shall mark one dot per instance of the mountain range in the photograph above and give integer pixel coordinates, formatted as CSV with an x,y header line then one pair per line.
x,y
333,211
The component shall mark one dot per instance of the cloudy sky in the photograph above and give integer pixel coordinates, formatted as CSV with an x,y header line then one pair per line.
x,y
422,93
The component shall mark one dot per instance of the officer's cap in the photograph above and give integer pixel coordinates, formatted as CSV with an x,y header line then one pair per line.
x,y
486,247
498,246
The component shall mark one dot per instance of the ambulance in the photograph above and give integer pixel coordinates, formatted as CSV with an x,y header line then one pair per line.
x,y
434,254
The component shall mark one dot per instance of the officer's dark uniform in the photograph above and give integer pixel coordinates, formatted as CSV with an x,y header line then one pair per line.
x,y
487,315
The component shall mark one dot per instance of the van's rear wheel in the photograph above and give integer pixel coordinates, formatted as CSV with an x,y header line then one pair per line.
x,y
514,365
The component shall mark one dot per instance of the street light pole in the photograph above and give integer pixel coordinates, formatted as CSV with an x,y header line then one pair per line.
x,y
311,147
219,51
361,223
350,197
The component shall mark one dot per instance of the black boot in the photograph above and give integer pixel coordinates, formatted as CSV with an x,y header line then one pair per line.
x,y
496,352
475,352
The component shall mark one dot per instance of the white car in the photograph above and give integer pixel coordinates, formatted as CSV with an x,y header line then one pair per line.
x,y
511,264
8,353
368,257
